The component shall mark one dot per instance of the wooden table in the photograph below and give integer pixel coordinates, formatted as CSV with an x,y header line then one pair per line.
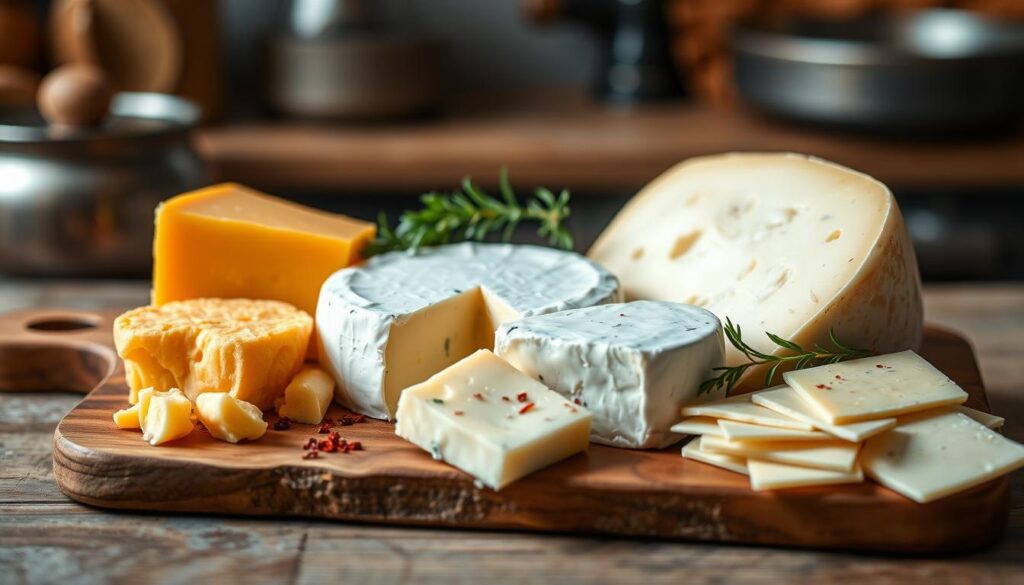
x,y
44,537
562,138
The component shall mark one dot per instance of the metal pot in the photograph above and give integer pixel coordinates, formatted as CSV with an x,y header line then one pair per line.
x,y
81,203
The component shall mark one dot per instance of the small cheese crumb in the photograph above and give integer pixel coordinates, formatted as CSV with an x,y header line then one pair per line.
x,y
164,416
127,418
228,418
307,396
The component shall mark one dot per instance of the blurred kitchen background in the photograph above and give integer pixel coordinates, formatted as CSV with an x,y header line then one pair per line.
x,y
358,106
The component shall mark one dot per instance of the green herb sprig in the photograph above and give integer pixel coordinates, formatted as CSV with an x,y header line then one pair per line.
x,y
800,358
472,214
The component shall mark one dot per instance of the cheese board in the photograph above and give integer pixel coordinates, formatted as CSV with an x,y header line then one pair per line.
x,y
606,490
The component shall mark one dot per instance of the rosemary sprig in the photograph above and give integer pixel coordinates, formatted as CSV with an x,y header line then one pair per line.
x,y
800,358
472,214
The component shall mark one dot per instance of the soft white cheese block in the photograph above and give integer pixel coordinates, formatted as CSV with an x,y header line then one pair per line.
x,y
693,451
401,317
786,401
767,475
490,420
633,365
935,453
874,387
837,455
781,243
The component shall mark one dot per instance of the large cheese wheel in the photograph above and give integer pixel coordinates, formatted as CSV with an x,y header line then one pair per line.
x,y
781,243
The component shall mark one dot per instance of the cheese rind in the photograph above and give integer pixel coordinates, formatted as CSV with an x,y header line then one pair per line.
x,y
693,451
248,348
308,396
228,418
490,420
786,401
741,431
933,454
782,243
766,475
836,455
228,241
632,365
167,416
740,408
874,387
401,317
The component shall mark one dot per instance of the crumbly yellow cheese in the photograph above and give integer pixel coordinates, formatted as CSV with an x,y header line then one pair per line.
x,y
248,348
229,241
165,416
128,418
228,418
308,396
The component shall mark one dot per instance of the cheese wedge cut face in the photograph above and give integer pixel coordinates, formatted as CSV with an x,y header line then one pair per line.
x,y
698,425
490,420
248,348
933,454
741,431
836,455
400,318
693,451
874,387
784,400
632,365
776,242
740,408
229,241
766,475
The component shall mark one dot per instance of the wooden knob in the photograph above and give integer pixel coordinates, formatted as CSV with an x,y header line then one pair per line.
x,y
74,95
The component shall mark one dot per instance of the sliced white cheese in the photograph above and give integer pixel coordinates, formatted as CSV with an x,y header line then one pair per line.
x,y
742,409
741,431
776,242
837,455
693,451
766,475
632,365
933,454
874,387
786,401
402,317
698,425
490,420
989,420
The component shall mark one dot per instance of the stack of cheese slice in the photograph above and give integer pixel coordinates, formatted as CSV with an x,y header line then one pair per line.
x,y
894,418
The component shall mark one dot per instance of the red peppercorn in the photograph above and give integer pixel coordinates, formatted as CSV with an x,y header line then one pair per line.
x,y
324,428
522,397
310,455
309,444
526,408
356,445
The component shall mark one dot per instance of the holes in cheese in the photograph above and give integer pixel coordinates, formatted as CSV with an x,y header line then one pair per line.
x,y
248,348
229,241
762,258
228,418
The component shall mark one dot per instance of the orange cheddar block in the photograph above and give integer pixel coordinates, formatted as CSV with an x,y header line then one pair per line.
x,y
229,241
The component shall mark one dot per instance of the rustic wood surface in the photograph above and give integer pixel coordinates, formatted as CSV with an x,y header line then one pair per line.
x,y
46,537
564,139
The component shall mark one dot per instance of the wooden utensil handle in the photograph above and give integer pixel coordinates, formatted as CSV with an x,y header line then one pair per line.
x,y
49,350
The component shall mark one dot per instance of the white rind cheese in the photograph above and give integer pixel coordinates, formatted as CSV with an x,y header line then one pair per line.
x,y
781,243
400,317
632,365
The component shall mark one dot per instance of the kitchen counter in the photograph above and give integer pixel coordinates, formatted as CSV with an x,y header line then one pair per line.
x,y
44,536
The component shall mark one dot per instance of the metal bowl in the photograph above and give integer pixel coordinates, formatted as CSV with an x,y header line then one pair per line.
x,y
926,72
81,202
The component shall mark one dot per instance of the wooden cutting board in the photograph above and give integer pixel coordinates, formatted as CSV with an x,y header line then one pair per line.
x,y
607,490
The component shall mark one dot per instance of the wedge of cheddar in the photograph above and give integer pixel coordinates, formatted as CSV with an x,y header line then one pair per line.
x,y
248,348
229,241
781,243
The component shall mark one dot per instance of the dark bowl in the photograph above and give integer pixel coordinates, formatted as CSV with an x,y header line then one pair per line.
x,y
927,72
